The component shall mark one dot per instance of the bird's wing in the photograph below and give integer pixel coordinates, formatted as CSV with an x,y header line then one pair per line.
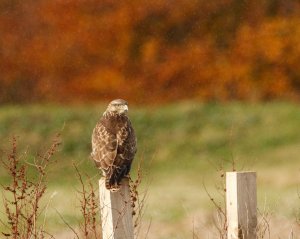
x,y
127,142
104,146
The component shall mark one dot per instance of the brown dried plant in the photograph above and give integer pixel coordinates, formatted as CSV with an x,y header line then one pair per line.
x,y
89,208
88,200
138,199
220,220
263,224
22,194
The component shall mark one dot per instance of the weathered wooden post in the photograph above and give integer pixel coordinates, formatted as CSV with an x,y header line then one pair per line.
x,y
241,205
116,212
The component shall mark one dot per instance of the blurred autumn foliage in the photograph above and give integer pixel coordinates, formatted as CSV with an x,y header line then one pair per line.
x,y
149,51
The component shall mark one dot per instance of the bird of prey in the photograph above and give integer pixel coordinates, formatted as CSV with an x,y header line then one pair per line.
x,y
114,144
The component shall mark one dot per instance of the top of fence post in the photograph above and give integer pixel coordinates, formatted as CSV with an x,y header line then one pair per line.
x,y
116,211
241,205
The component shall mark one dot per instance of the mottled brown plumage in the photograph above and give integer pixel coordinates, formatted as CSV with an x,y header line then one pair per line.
x,y
114,144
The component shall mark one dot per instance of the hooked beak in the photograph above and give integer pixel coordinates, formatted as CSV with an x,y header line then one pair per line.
x,y
125,108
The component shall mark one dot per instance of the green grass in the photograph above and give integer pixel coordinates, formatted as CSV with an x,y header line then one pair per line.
x,y
181,145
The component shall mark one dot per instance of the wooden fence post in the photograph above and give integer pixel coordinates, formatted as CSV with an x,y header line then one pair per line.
x,y
116,212
241,205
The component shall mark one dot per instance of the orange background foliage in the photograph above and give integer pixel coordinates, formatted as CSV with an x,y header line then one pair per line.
x,y
149,51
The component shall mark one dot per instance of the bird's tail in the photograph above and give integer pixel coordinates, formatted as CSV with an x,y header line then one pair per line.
x,y
111,185
113,182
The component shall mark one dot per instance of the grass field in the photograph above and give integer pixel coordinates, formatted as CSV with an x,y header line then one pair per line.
x,y
182,147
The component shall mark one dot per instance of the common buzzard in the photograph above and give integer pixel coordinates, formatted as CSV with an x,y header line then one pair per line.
x,y
114,144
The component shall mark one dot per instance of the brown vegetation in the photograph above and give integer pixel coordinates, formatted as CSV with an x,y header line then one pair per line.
x,y
24,190
89,201
22,194
149,51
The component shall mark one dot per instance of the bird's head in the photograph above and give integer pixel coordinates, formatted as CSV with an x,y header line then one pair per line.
x,y
118,106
